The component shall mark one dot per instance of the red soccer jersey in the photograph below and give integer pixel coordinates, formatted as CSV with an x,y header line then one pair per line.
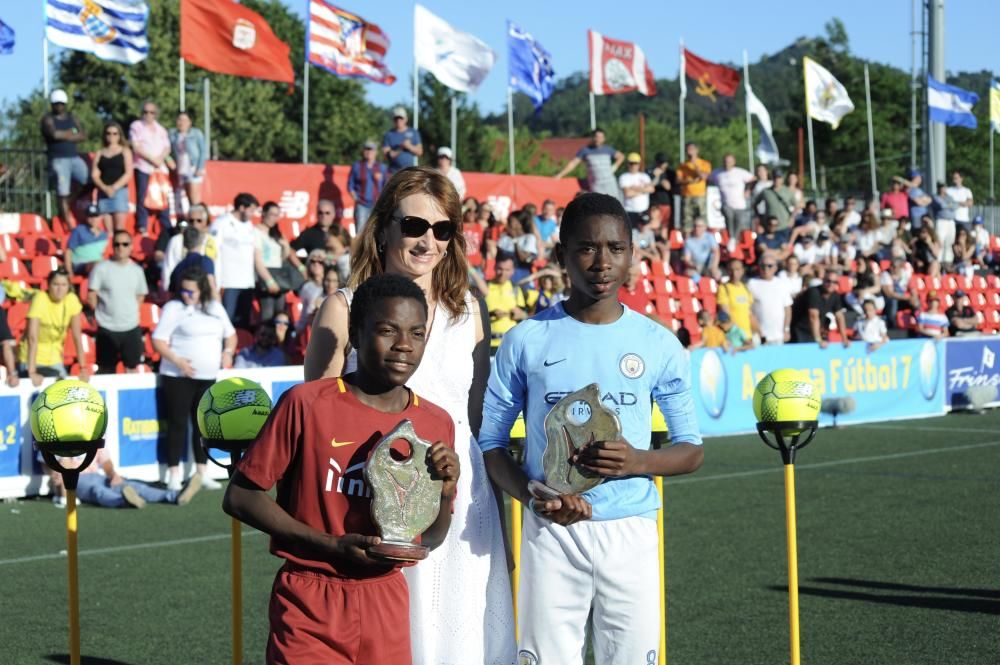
x,y
314,446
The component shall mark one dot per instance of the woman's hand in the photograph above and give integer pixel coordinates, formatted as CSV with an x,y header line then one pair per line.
x,y
36,378
184,365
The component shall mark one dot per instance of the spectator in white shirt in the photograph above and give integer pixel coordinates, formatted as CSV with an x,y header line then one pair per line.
x,y
636,186
871,329
198,218
732,182
195,340
806,251
961,195
772,302
446,165
235,274
850,208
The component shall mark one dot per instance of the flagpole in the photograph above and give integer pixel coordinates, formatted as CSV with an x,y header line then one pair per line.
x,y
871,135
180,66
207,102
593,113
681,98
45,66
416,93
510,129
454,130
305,111
809,125
746,91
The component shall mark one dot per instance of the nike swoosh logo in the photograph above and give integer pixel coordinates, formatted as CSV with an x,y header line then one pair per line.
x,y
554,362
337,444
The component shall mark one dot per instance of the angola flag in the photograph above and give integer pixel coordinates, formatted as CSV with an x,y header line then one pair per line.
x,y
709,81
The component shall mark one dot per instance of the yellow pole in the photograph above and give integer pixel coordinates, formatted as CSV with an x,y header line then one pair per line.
x,y
237,578
662,547
74,583
515,546
793,563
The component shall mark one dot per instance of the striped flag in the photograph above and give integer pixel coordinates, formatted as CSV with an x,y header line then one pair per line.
x,y
110,29
346,44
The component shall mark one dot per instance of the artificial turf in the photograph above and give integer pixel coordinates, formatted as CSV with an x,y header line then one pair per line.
x,y
898,536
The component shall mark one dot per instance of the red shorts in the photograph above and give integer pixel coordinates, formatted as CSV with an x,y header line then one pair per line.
x,y
321,620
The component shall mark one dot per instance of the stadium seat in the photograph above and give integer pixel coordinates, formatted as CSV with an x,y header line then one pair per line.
x,y
17,317
151,354
12,269
149,315
35,225
905,320
244,338
662,286
41,266
70,352
676,240
683,285
707,286
664,306
708,303
659,268
846,284
143,248
39,245
75,368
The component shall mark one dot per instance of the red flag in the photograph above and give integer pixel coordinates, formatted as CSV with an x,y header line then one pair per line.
x,y
617,66
711,79
228,38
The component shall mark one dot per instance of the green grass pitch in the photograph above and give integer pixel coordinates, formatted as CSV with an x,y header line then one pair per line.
x,y
898,535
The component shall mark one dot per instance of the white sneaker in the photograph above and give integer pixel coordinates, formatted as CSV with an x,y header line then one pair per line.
x,y
174,484
210,483
59,501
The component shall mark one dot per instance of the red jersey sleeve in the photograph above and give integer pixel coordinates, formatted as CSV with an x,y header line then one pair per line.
x,y
270,456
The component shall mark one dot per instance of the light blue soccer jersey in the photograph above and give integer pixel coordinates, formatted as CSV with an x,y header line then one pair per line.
x,y
633,360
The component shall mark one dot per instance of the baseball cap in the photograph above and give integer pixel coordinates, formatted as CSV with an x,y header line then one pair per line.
x,y
959,294
93,210
777,173
318,254
58,97
807,238
661,158
371,145
978,219
399,112
633,158
823,235
913,173
723,316
445,151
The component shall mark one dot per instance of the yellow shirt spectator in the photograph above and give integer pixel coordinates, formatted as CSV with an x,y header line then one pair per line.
x,y
689,171
54,320
736,298
504,298
713,337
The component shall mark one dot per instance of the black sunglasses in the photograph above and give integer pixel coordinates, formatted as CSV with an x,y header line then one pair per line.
x,y
416,227
123,244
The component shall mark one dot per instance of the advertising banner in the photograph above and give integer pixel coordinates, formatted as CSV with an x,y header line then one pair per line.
x,y
903,379
298,187
971,362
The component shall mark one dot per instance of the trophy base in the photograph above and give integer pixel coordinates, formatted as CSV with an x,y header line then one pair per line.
x,y
393,551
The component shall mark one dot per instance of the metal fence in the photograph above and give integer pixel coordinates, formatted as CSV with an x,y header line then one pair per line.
x,y
24,181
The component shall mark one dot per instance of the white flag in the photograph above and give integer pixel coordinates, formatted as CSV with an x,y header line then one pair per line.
x,y
767,150
457,59
826,98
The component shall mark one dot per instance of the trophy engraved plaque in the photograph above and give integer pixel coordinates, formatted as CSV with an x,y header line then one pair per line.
x,y
405,498
575,422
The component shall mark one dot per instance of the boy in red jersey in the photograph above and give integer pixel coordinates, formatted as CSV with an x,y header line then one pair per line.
x,y
331,602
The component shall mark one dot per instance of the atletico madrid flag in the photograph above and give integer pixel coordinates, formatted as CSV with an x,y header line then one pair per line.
x,y
226,37
617,66
709,78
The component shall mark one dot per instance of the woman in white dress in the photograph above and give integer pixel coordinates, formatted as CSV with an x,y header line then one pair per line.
x,y
460,601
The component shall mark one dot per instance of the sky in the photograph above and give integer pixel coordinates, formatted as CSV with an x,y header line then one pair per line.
x,y
719,30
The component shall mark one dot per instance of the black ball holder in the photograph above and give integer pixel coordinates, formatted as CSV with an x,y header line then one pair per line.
x,y
51,452
793,430
235,448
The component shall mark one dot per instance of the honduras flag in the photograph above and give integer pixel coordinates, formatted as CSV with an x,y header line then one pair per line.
x,y
950,105
110,29
530,66
6,39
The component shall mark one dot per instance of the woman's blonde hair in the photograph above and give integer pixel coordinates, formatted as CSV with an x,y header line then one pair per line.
x,y
450,279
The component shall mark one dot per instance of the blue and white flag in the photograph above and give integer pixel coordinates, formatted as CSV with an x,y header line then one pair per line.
x,y
457,59
6,39
950,105
530,66
110,29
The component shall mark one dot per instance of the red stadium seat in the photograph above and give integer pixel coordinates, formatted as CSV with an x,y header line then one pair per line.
x,y
39,245
676,240
708,303
41,266
70,352
683,285
17,317
707,286
662,286
143,248
846,283
34,225
244,338
13,269
660,269
664,306
149,315
905,320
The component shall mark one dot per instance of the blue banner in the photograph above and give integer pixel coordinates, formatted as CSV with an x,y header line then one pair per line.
x,y
140,429
10,436
903,379
278,389
970,362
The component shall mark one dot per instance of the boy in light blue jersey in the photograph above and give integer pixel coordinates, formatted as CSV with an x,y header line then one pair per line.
x,y
595,552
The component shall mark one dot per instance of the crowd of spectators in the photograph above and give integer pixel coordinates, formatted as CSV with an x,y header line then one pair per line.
x,y
782,268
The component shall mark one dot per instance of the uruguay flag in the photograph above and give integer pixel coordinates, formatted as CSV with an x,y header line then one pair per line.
x,y
530,66
110,29
950,105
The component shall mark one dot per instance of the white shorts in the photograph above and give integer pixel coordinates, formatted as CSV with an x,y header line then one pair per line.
x,y
610,567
